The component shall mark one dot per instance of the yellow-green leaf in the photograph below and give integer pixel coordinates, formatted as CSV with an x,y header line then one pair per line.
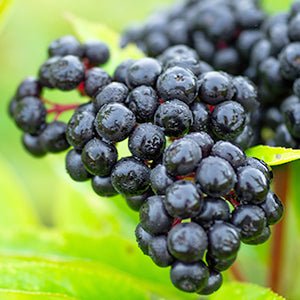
x,y
5,8
244,291
272,6
86,30
274,156
21,295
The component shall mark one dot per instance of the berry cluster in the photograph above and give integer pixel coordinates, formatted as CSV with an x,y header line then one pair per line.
x,y
221,31
186,126
189,216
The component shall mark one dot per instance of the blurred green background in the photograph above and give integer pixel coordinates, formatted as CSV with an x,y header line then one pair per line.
x,y
37,192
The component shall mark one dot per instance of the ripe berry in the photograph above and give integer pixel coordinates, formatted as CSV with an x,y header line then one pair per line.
x,y
292,120
182,157
144,71
65,45
219,264
215,87
130,177
228,120
252,185
12,106
143,238
213,209
189,277
75,167
223,240
203,140
45,71
183,199
154,217
201,117
143,102
32,145
136,202
215,176
233,154
96,52
177,83
160,179
273,208
30,114
250,219
99,157
262,238
158,251
95,81
289,61
114,122
29,87
174,117
53,138
67,73
260,165
214,282
156,43
80,129
147,141
121,70
187,242
102,186
188,62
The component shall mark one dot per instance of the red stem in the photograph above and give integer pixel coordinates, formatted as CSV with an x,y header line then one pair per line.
x,y
177,221
281,185
237,273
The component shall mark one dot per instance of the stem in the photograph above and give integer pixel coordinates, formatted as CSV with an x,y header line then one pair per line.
x,y
177,221
281,185
58,109
237,273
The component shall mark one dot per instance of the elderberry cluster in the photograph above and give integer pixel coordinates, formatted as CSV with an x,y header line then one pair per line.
x,y
189,218
186,126
221,31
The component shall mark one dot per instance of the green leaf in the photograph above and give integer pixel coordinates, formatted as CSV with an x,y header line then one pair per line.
x,y
295,190
16,209
86,30
272,6
21,295
113,252
274,156
5,8
244,291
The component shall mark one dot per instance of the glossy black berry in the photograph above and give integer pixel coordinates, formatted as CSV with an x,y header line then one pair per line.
x,y
273,208
121,70
53,138
160,179
29,87
45,71
154,217
12,106
262,238
279,37
65,45
33,145
290,61
75,167
233,154
219,264
296,87
204,47
227,60
143,238
144,71
247,39
143,102
228,120
201,117
189,277
147,141
223,240
99,157
213,209
156,43
67,73
102,186
260,165
215,176
214,282
96,52
260,52
292,120
136,202
95,81
252,185
114,122
80,129
130,177
86,107
250,219
215,87
203,140
158,251
183,199
30,114
188,62
177,83
182,157
284,138
187,242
